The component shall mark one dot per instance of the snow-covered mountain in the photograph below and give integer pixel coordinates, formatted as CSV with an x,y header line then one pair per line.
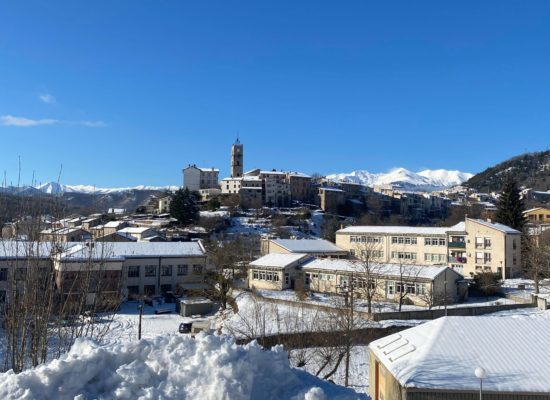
x,y
427,180
57,188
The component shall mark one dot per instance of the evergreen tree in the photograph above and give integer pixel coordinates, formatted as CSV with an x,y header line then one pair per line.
x,y
184,206
510,206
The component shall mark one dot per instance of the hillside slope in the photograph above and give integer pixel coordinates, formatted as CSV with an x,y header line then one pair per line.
x,y
530,170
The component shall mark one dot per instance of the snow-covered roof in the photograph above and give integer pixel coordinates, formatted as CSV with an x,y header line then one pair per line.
x,y
114,224
443,354
398,230
278,260
497,226
386,270
329,189
307,245
136,250
535,209
208,169
299,175
10,249
272,173
62,231
134,230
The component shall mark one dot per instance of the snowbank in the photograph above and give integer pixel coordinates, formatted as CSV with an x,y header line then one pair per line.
x,y
171,367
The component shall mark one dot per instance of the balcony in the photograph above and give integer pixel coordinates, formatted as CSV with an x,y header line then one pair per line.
x,y
457,245
461,260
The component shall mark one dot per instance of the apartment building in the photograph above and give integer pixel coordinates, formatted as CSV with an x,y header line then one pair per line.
x,y
197,178
468,247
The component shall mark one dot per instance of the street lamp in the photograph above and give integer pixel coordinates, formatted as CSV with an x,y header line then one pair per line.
x,y
140,309
480,374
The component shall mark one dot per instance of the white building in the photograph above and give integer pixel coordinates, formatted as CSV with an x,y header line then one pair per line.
x,y
196,178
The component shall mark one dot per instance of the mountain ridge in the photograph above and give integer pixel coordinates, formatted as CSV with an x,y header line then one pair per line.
x,y
425,180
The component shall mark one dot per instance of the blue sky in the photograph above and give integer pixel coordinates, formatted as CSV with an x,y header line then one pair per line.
x,y
129,92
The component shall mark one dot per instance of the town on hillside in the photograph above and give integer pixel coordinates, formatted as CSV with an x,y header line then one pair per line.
x,y
353,280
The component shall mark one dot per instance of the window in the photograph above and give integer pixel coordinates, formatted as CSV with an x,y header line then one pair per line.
x,y
165,288
2,296
3,274
487,258
479,257
403,255
255,275
439,258
487,242
183,270
150,270
479,242
149,290
133,271
391,287
403,240
514,245
197,269
133,290
287,278
435,242
420,289
166,270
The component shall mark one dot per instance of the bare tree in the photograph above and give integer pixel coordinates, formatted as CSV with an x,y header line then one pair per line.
x,y
369,268
537,258
407,277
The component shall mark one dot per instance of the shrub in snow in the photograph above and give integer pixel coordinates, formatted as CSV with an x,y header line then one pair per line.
x,y
171,367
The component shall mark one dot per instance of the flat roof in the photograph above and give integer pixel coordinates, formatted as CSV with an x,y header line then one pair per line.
x,y
443,354
418,230
134,250
278,260
308,245
388,270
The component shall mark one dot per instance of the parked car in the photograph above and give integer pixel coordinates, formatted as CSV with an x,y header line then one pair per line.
x,y
185,327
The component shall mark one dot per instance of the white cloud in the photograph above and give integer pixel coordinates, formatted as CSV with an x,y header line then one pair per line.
x,y
46,98
10,120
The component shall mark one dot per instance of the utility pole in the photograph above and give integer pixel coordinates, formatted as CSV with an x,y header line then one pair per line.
x,y
445,294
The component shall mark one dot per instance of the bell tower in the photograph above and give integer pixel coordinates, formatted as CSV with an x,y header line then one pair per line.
x,y
237,159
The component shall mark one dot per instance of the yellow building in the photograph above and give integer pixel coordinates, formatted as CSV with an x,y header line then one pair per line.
x,y
539,215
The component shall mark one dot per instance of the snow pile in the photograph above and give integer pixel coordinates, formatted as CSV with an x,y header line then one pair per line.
x,y
171,367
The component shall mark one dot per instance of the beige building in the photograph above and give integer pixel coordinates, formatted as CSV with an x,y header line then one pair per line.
x,y
277,271
139,233
437,360
65,235
468,247
314,247
423,285
196,178
135,268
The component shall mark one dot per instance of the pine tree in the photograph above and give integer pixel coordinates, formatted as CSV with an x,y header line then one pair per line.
x,y
510,206
184,206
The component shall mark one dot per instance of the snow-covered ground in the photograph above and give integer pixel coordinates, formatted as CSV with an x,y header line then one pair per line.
x,y
170,367
358,371
258,318
336,301
512,287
